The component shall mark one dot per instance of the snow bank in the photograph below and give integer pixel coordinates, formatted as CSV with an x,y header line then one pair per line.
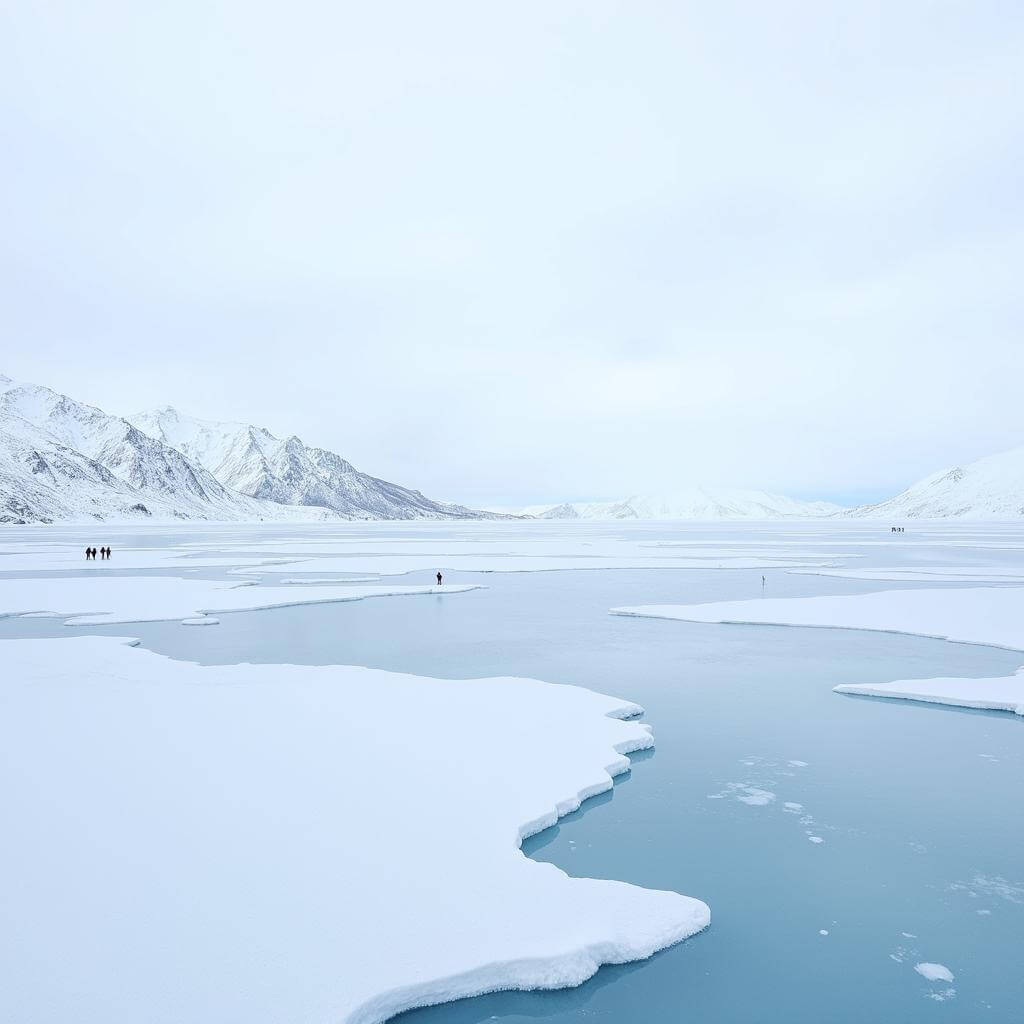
x,y
293,843
980,615
1005,693
104,600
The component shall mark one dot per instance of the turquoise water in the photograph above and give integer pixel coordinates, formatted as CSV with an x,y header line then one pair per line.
x,y
917,806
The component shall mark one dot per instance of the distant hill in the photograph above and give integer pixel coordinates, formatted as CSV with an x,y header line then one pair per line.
x,y
63,460
990,488
253,461
691,503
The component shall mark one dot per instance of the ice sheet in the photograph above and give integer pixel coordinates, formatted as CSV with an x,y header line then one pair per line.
x,y
1004,693
91,600
924,574
979,615
292,843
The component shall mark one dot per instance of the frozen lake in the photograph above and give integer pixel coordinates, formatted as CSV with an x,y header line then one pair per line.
x,y
840,841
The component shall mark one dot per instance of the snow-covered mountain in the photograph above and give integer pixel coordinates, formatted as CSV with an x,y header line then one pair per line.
x,y
62,459
991,488
251,460
691,503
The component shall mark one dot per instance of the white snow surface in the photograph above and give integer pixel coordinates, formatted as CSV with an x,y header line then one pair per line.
x,y
992,488
34,558
525,553
978,615
923,574
103,600
1005,693
695,502
270,843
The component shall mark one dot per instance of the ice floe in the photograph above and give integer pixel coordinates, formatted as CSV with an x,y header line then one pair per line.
x,y
918,574
982,615
746,794
1005,693
979,615
934,972
88,600
275,843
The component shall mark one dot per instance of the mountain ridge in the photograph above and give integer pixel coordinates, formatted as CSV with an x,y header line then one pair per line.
x,y
64,460
989,488
253,461
696,502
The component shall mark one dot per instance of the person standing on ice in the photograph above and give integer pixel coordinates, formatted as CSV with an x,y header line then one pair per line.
x,y
440,579
88,553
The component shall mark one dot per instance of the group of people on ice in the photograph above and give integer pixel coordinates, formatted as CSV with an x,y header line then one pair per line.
x,y
90,554
897,529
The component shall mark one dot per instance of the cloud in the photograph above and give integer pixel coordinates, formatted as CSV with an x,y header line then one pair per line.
x,y
530,253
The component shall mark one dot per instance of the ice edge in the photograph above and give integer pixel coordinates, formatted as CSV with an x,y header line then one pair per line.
x,y
569,969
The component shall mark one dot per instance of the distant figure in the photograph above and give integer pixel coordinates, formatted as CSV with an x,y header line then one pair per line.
x,y
88,554
108,551
440,579
762,582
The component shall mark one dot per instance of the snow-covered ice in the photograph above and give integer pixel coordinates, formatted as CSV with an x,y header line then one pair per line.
x,y
275,843
102,600
66,558
978,615
993,615
1004,693
922,574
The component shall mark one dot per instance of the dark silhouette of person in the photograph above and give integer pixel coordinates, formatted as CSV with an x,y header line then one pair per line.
x,y
88,554
440,579
108,551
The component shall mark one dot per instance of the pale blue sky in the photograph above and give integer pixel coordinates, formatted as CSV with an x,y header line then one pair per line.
x,y
535,251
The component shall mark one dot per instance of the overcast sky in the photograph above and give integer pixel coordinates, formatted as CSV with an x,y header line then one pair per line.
x,y
531,251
